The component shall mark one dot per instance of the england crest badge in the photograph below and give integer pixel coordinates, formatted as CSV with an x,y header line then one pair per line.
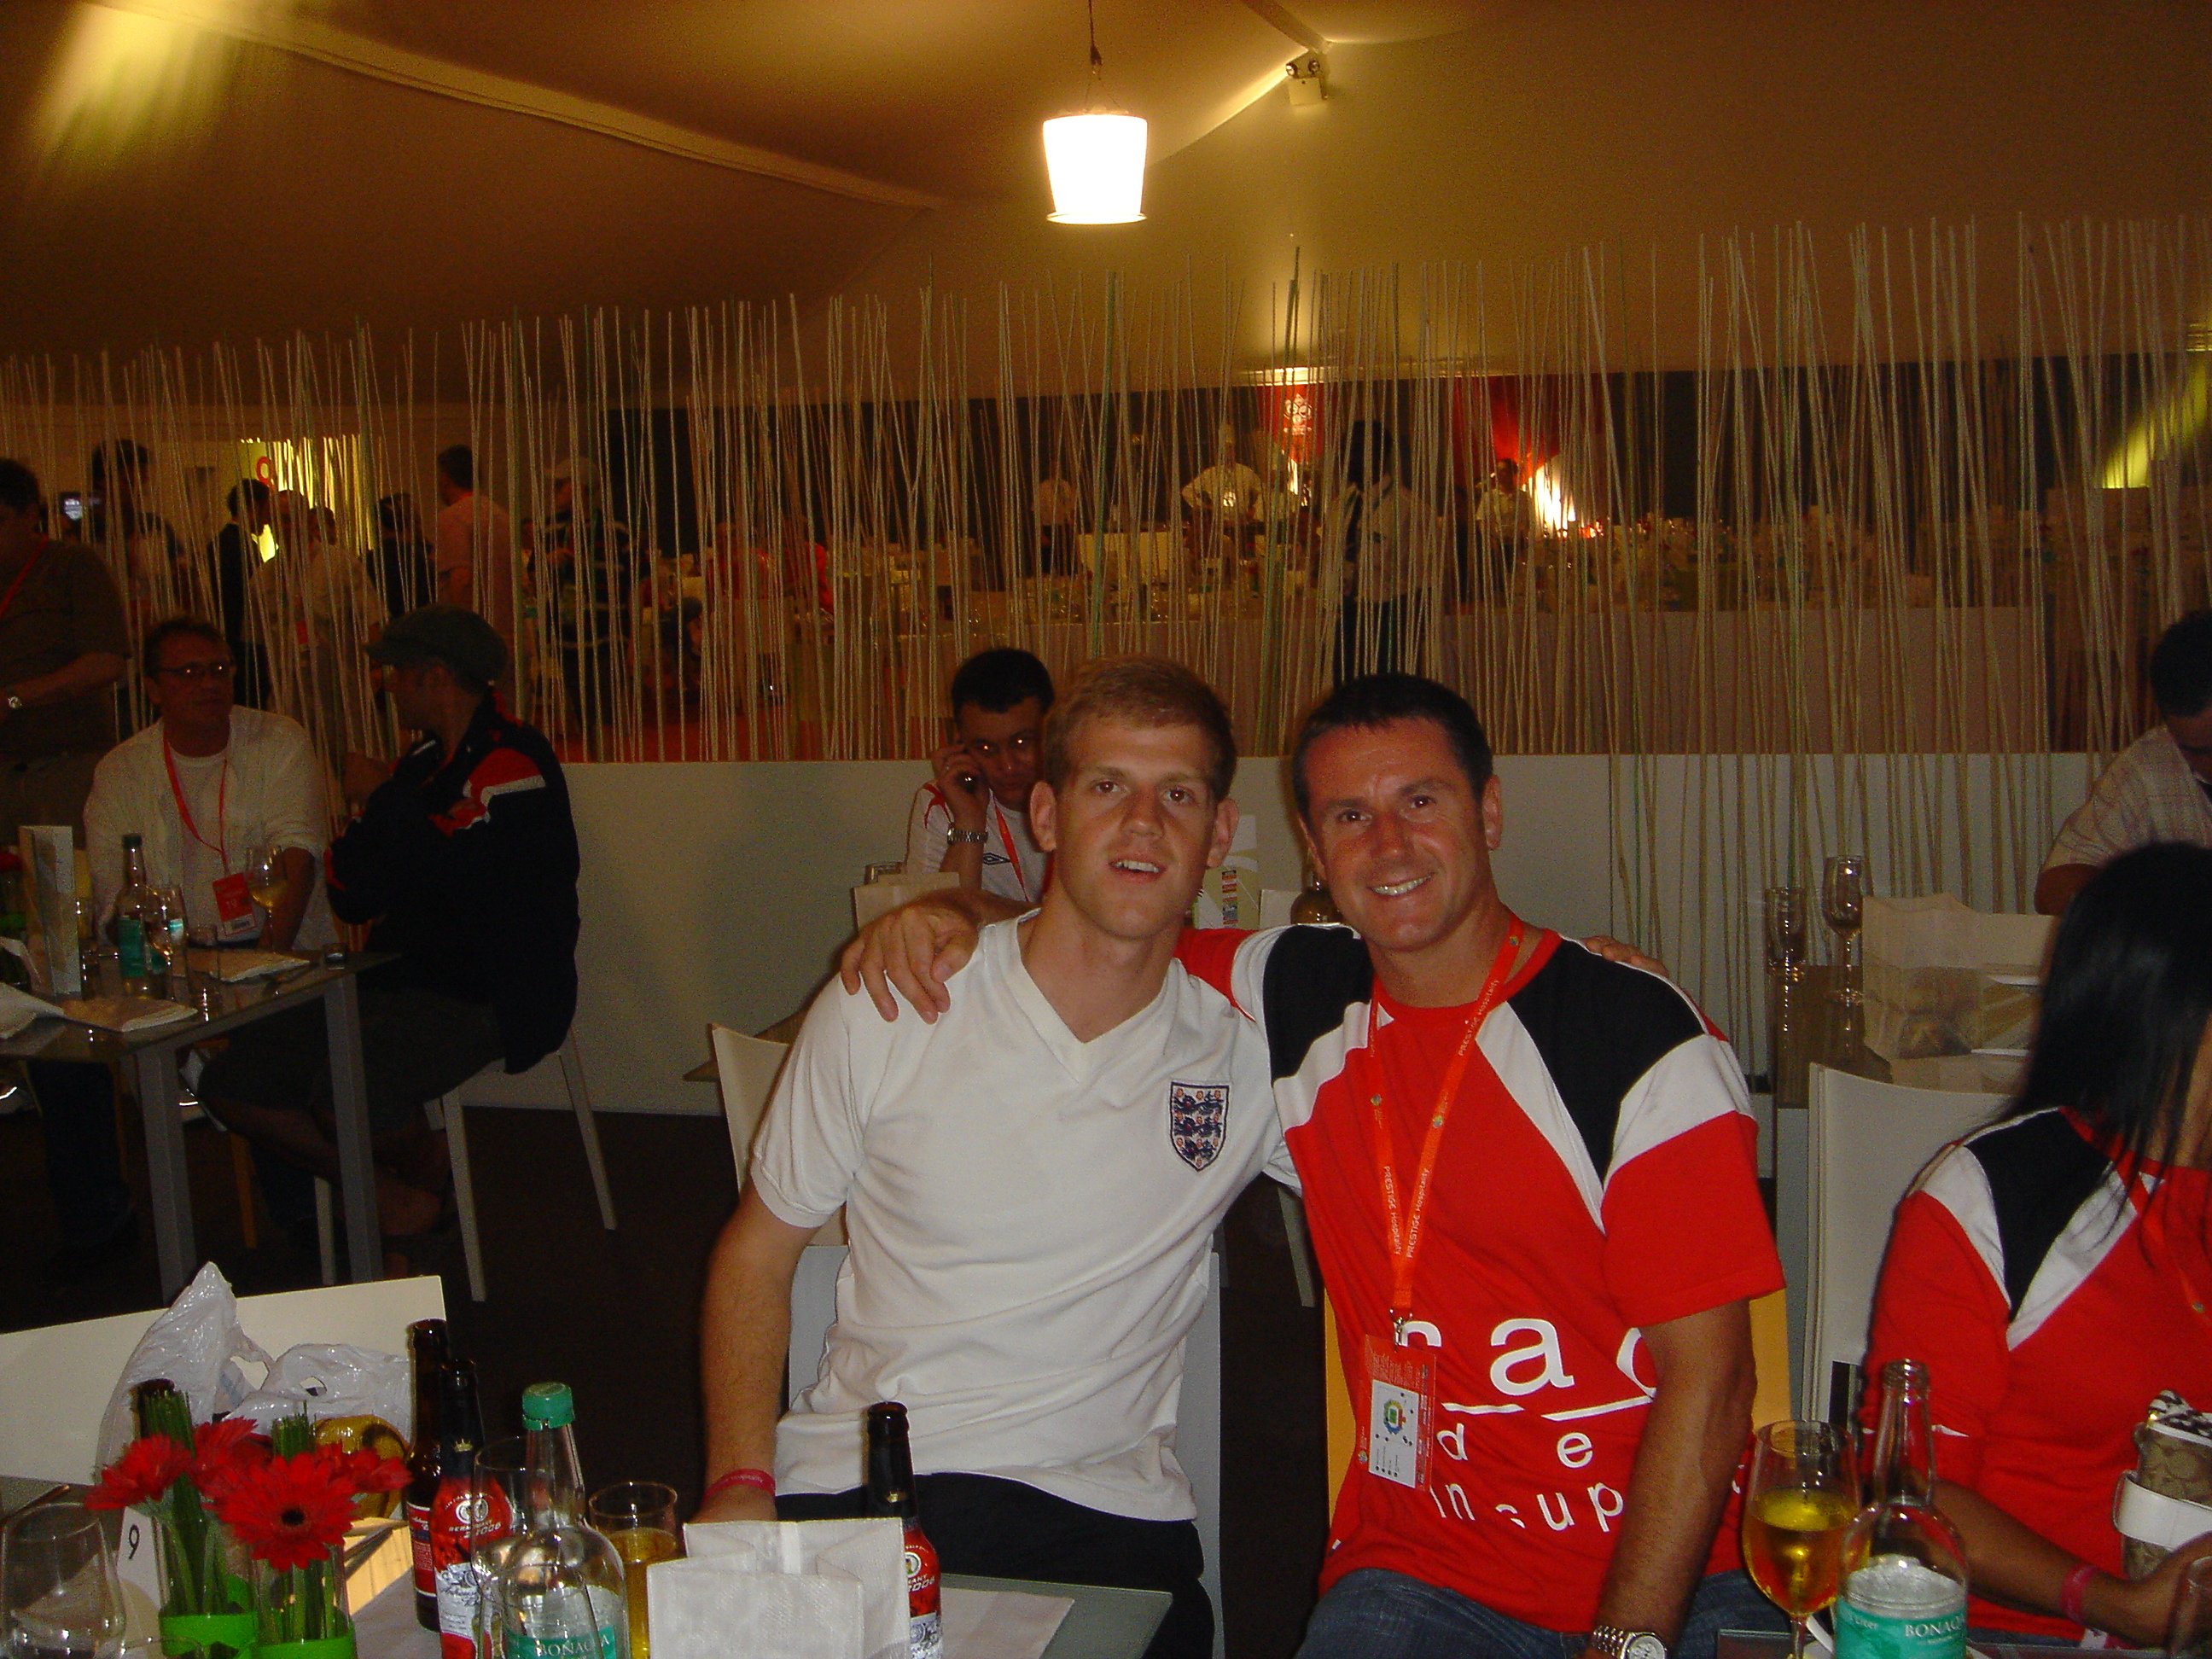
x,y
1198,1119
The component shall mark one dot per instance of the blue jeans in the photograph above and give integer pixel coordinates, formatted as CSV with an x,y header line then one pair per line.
x,y
1374,1614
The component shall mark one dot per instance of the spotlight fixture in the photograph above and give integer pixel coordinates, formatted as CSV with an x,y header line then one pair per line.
x,y
1096,161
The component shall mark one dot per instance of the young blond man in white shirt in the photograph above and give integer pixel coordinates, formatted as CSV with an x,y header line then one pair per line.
x,y
1030,1185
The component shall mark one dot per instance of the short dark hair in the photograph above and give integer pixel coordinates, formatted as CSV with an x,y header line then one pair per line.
x,y
249,489
1145,691
2181,667
995,680
2126,1002
126,455
19,486
459,464
175,628
1367,701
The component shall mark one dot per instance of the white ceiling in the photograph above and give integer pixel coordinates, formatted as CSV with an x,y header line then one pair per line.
x,y
184,167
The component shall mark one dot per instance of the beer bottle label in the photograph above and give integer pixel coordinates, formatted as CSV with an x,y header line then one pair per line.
x,y
418,1533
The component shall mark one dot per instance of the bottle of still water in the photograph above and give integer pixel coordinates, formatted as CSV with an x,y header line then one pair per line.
x,y
560,1594
1904,1567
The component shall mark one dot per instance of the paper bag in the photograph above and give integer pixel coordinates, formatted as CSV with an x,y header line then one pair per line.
x,y
727,1559
1941,979
50,908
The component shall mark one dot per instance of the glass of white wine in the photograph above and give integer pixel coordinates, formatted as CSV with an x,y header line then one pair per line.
x,y
59,1597
639,1518
265,876
1842,901
1803,1493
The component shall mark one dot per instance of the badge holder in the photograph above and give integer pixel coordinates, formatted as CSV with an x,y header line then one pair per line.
x,y
234,911
1400,1411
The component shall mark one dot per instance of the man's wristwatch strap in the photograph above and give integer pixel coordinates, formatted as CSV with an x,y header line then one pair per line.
x,y
1615,1643
955,837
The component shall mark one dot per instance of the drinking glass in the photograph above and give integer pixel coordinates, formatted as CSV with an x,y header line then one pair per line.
x,y
1803,1493
2189,1633
1842,901
1786,928
265,876
59,1598
639,1518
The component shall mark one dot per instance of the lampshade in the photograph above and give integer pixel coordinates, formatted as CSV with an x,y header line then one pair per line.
x,y
1097,163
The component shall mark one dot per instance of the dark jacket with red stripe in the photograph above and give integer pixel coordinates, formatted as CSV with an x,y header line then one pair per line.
x,y
467,869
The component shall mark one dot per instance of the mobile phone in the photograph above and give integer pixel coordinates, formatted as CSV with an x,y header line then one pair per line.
x,y
72,505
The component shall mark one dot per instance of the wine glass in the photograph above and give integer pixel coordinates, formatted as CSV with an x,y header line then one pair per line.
x,y
59,1598
1842,901
265,876
1786,929
1803,1493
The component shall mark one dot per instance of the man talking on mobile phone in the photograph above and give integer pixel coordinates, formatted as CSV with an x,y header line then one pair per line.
x,y
972,816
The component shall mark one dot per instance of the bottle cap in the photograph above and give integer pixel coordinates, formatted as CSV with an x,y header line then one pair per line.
x,y
130,842
548,1406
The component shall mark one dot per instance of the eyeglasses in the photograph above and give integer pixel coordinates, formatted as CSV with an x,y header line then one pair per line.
x,y
190,671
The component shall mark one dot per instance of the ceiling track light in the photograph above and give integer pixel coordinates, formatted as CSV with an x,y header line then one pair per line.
x,y
1096,159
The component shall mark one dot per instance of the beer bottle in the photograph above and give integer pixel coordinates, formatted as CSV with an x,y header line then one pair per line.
x,y
1904,1567
430,1350
469,1512
890,1492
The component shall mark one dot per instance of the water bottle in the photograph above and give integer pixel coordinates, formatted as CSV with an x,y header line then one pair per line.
x,y
560,1595
1904,1567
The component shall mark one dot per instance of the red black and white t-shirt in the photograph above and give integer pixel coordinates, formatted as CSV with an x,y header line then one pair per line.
x,y
1596,1176
2051,1309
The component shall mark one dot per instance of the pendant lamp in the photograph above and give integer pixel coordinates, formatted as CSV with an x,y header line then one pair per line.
x,y
1096,161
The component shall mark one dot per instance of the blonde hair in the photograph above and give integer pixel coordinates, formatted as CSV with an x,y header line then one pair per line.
x,y
1144,691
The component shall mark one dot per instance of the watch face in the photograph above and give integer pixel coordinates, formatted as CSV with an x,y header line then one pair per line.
x,y
1644,1646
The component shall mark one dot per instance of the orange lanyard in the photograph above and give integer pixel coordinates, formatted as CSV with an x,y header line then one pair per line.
x,y
1007,835
185,812
8,600
1405,1225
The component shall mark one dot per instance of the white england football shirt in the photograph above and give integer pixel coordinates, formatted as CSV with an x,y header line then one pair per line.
x,y
1029,1217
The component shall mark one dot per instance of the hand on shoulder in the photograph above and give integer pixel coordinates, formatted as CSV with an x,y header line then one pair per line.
x,y
915,950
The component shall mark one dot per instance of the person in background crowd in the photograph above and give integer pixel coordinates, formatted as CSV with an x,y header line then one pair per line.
x,y
586,573
973,817
2050,1271
1373,518
1028,1187
2160,788
406,564
136,538
63,644
475,554
236,555
462,860
1573,1341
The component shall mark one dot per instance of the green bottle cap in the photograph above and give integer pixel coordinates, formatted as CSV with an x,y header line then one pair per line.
x,y
548,1406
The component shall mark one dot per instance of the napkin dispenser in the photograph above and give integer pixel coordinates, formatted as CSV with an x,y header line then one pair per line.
x,y
782,1589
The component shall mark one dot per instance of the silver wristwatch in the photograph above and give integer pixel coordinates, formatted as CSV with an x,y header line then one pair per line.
x,y
1617,1643
13,701
974,837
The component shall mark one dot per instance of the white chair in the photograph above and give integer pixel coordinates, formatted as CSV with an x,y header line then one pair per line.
x,y
1866,1141
445,1113
55,1380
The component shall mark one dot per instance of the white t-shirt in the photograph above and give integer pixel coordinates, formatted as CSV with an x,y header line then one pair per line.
x,y
268,785
1013,867
1028,1218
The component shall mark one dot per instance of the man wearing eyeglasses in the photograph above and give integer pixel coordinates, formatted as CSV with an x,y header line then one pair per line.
x,y
207,785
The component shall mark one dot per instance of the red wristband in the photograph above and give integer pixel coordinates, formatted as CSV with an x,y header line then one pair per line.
x,y
2076,1587
759,1480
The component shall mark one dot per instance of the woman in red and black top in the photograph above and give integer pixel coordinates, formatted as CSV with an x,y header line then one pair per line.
x,y
2052,1270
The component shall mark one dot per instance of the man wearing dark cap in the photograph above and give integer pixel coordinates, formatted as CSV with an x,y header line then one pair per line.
x,y
462,859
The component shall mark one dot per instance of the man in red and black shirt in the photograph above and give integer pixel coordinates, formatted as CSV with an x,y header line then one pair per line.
x,y
462,859
1529,1176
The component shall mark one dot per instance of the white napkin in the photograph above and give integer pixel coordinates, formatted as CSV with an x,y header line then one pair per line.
x,y
706,1609
233,966
870,1554
19,1008
123,1013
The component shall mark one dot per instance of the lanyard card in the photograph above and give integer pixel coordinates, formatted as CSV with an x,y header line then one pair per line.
x,y
1400,1409
234,910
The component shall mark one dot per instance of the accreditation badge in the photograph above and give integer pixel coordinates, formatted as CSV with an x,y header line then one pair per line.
x,y
1401,1385
234,911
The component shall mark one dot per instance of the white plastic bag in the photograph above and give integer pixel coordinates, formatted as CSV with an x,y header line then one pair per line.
x,y
334,1379
197,1345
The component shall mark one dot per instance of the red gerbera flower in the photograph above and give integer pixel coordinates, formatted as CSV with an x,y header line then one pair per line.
x,y
223,1452
365,1471
289,1510
150,1465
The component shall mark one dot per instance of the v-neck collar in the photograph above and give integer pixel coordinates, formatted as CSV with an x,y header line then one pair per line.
x,y
1079,1058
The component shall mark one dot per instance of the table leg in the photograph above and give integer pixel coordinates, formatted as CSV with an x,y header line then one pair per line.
x,y
174,1248
349,1109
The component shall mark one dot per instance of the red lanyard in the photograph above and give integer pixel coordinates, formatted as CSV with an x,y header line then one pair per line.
x,y
1007,835
8,600
184,812
1405,1225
